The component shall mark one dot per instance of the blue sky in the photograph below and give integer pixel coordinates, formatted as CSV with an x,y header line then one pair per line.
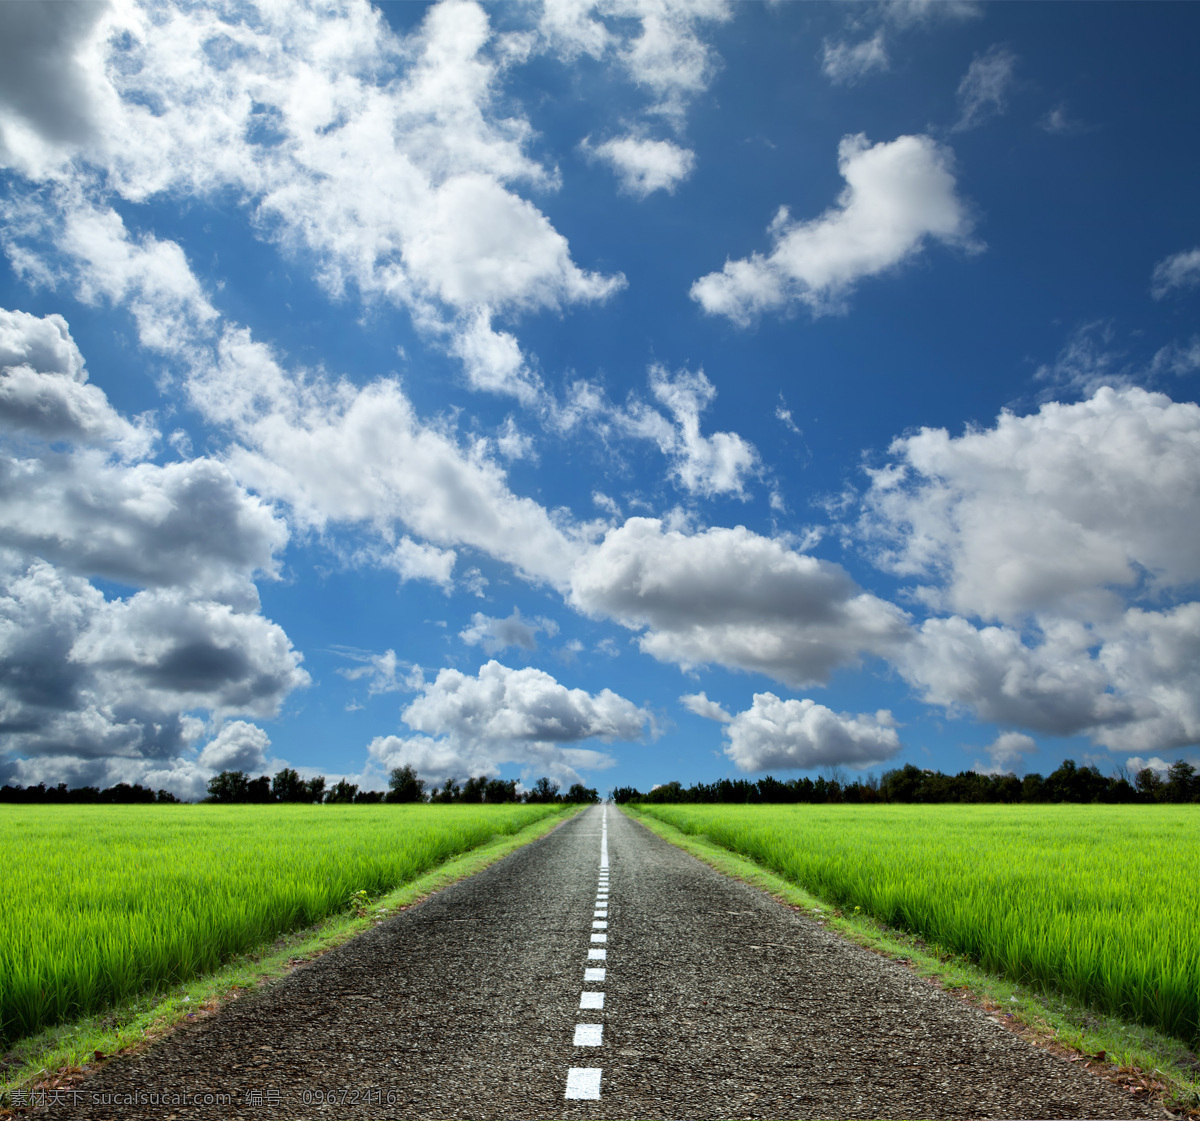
x,y
623,392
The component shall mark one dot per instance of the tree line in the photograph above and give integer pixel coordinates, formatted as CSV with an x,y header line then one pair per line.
x,y
1069,783
239,788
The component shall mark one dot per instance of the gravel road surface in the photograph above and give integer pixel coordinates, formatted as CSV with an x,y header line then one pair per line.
x,y
598,972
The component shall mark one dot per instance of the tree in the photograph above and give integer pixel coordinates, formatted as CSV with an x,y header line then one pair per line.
x,y
288,786
404,786
258,790
500,790
450,792
473,790
343,792
1149,784
228,787
315,788
543,791
1182,783
581,793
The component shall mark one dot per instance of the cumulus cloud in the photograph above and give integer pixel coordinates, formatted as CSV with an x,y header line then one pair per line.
x,y
495,635
1046,510
44,390
898,196
472,724
99,689
387,158
983,92
702,465
846,63
699,704
1006,754
238,746
733,598
644,166
790,734
93,687
1182,270
1136,763
1072,529
48,86
1129,683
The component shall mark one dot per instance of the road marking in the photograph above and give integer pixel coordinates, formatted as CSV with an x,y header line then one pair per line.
x,y
589,1035
583,1083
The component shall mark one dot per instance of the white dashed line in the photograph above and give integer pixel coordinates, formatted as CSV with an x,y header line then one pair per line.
x,y
583,1083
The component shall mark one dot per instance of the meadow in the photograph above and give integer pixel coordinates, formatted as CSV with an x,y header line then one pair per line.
x,y
1098,902
103,902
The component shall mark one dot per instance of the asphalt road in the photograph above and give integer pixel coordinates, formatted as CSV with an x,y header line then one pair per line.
x,y
485,1002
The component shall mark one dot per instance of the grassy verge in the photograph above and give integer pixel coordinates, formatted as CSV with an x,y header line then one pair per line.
x,y
1143,1061
59,1055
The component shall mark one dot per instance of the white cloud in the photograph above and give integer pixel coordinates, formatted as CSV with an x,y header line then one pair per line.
x,y
699,704
495,635
1130,683
1051,510
92,686
983,91
645,166
775,733
703,465
49,94
1182,270
1006,754
346,455
384,672
733,598
907,13
846,63
1177,358
668,57
898,195
391,160
96,688
414,561
1136,763
473,724
1087,362
44,390
238,746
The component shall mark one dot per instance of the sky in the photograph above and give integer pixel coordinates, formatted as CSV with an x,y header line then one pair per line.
x,y
621,392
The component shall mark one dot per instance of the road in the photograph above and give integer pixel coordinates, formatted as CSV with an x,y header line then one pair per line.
x,y
598,972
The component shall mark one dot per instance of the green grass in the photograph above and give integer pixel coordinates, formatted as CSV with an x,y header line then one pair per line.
x,y
1095,902
105,902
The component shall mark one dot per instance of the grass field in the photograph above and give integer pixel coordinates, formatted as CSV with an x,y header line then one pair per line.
x,y
102,902
1099,902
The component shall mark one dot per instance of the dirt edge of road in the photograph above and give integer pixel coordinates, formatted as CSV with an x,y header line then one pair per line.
x,y
1143,1062
60,1056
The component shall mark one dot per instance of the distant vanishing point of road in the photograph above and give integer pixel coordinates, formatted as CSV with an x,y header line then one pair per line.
x,y
599,972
